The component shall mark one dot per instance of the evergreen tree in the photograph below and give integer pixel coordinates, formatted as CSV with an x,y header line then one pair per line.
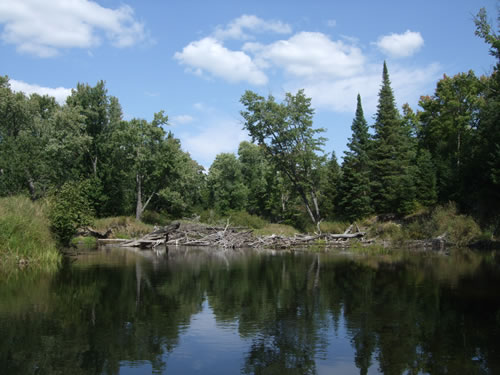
x,y
392,185
425,178
330,187
354,195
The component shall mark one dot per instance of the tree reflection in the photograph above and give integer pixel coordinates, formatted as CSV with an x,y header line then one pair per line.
x,y
405,314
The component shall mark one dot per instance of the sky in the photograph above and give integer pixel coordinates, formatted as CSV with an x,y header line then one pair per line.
x,y
194,59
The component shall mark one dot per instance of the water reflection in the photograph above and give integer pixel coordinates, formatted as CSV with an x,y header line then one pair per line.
x,y
192,310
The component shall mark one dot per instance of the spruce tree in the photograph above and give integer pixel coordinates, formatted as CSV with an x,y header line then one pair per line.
x,y
354,192
330,187
392,185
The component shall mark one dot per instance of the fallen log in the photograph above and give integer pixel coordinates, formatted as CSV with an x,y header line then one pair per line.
x,y
89,232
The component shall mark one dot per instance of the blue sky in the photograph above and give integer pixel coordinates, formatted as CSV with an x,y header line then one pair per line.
x,y
194,59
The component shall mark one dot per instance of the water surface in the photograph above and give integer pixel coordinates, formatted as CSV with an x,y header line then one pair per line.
x,y
208,311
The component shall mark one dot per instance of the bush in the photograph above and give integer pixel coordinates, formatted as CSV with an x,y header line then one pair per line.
x,y
25,233
459,229
70,209
386,231
155,218
244,219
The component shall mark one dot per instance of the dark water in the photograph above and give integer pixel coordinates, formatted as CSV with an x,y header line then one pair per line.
x,y
213,312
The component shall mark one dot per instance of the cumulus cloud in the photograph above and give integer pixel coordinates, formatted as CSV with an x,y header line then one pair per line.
x,y
209,55
400,45
59,93
236,28
339,95
43,28
312,55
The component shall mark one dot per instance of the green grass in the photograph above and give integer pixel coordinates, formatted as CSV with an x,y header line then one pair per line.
x,y
25,235
87,242
124,227
278,229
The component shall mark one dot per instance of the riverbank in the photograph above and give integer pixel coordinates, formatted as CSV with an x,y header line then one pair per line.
x,y
25,236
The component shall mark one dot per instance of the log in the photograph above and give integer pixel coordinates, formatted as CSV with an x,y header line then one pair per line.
x,y
230,237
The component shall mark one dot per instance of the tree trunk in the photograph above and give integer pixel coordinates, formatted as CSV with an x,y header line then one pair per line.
x,y
31,186
138,208
94,166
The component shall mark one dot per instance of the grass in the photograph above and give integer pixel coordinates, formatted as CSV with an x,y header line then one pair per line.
x,y
25,236
86,242
124,227
278,229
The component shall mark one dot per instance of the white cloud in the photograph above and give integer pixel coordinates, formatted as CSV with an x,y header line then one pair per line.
x,y
312,55
59,93
181,119
400,45
339,95
43,28
236,28
219,134
209,55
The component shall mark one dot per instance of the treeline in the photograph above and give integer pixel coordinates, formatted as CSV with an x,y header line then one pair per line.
x,y
87,156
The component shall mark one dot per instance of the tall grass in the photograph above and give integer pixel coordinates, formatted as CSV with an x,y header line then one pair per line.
x,y
25,235
125,227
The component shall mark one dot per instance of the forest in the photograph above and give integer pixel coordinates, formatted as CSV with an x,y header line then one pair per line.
x,y
91,163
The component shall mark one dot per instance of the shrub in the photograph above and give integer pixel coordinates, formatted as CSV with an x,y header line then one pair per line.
x,y
155,218
386,230
70,209
460,229
244,219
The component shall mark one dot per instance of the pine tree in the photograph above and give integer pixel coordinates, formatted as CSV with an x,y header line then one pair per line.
x,y
354,191
392,185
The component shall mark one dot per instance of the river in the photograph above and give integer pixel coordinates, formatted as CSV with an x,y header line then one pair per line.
x,y
208,311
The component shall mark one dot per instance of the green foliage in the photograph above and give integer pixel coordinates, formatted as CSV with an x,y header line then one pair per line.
x,y
354,191
227,190
285,132
25,234
244,219
70,209
330,178
460,229
448,130
386,230
392,185
155,218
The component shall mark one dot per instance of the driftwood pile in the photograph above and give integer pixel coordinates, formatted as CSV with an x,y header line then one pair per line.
x,y
235,237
